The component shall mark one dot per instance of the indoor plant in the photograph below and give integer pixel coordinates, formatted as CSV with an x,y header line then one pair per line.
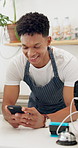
x,y
11,24
4,20
14,10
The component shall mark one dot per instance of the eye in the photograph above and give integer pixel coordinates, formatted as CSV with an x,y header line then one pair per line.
x,y
37,47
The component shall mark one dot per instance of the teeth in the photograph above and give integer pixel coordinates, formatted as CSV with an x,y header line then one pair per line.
x,y
34,57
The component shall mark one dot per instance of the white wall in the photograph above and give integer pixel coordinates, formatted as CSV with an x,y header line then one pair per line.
x,y
51,8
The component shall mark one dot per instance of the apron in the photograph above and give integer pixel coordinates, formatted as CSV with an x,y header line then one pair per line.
x,y
48,98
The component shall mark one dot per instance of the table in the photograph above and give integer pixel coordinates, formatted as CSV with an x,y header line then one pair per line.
x,y
24,137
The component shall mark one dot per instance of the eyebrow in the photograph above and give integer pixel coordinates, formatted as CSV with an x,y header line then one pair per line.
x,y
23,45
34,45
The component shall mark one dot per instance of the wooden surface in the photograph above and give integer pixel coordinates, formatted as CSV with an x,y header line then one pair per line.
x,y
62,42
65,42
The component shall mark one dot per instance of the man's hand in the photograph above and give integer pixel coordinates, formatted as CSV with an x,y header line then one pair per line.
x,y
11,118
32,118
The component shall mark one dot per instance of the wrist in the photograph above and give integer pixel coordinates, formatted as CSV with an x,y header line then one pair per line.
x,y
47,120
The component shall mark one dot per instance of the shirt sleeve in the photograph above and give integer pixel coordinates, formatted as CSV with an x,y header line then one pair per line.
x,y
15,71
70,72
12,76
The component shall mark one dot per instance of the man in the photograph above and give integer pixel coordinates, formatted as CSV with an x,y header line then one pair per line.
x,y
50,73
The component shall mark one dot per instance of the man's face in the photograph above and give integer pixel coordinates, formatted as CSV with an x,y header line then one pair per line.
x,y
35,49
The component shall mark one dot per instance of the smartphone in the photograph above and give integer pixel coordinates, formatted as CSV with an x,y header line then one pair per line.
x,y
15,109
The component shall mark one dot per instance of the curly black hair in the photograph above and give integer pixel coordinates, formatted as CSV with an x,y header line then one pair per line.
x,y
32,23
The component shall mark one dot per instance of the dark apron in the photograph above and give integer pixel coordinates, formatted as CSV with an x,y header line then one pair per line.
x,y
48,98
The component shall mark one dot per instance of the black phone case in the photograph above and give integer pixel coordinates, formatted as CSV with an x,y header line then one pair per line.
x,y
15,109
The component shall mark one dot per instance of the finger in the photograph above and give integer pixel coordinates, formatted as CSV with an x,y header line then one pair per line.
x,y
24,108
15,125
24,120
28,123
13,121
29,116
18,115
31,110
25,124
13,118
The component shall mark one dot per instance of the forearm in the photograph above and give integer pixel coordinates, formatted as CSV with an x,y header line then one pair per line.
x,y
61,114
10,97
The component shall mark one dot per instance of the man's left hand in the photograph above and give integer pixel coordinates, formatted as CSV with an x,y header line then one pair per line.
x,y
32,118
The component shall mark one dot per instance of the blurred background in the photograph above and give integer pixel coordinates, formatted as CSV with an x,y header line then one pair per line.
x,y
63,19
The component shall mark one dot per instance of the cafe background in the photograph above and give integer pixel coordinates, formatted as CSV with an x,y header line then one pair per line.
x,y
52,9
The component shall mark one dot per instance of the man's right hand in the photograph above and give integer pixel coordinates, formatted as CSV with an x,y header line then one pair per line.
x,y
10,118
10,97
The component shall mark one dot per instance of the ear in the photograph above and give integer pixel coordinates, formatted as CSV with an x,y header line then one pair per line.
x,y
49,40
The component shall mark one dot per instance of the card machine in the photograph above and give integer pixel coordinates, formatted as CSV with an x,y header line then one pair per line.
x,y
54,125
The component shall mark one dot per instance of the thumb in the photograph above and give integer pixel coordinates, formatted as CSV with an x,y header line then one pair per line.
x,y
24,109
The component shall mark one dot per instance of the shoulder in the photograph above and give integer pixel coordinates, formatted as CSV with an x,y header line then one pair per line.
x,y
62,57
15,70
19,60
18,63
67,65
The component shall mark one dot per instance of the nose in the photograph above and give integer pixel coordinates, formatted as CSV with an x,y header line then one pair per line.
x,y
30,52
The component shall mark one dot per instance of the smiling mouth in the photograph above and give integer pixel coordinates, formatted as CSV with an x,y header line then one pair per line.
x,y
32,59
